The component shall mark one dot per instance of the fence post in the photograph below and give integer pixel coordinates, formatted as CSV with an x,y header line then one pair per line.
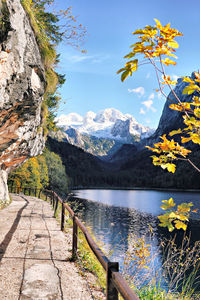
x,y
46,196
56,206
11,186
29,191
40,193
53,200
75,239
62,217
35,191
111,291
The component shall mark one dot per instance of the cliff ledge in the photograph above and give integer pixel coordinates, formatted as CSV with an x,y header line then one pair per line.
x,y
22,86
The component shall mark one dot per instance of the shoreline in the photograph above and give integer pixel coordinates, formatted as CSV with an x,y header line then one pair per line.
x,y
137,188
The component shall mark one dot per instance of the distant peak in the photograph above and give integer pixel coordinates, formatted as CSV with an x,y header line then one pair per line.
x,y
109,123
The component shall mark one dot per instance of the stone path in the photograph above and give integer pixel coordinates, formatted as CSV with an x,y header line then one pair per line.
x,y
34,254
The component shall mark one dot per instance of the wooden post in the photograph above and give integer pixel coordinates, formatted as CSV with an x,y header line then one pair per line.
x,y
29,191
56,206
40,193
35,191
62,217
11,186
53,200
111,291
75,239
17,190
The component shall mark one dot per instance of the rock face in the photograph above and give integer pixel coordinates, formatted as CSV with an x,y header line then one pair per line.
x,y
170,119
122,130
22,86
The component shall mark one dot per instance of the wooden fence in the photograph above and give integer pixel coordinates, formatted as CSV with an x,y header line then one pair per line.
x,y
115,283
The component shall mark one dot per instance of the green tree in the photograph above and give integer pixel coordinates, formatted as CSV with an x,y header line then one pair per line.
x,y
58,179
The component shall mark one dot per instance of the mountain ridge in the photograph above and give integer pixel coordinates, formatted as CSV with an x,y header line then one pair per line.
x,y
102,133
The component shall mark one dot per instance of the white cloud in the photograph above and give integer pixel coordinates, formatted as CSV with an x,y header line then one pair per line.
x,y
149,103
97,58
140,91
79,58
174,77
142,112
148,75
152,96
148,121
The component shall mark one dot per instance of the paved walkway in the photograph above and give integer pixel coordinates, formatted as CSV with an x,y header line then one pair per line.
x,y
34,254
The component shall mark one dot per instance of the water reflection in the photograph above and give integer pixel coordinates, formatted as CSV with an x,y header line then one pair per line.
x,y
113,225
114,216
147,201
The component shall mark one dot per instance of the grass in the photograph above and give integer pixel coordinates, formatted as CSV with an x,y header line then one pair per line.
x,y
178,271
4,204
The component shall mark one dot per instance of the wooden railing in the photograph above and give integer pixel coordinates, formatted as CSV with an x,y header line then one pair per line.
x,y
115,283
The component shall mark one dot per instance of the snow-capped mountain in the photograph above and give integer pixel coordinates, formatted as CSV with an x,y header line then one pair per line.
x,y
109,123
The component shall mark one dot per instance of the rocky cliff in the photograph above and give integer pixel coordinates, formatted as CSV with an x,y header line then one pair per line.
x,y
170,119
22,86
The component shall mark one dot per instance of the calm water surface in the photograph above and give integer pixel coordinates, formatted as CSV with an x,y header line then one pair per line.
x,y
114,215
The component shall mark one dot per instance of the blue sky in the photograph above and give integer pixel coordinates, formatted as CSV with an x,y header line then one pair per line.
x,y
91,80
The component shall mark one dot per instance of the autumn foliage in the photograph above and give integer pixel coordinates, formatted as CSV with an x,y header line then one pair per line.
x,y
157,46
45,171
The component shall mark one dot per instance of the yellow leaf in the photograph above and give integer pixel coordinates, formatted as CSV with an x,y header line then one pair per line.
x,y
196,99
168,204
197,75
184,207
176,107
173,44
185,140
173,215
179,225
171,168
168,61
197,112
173,132
195,138
190,89
130,55
188,79
158,23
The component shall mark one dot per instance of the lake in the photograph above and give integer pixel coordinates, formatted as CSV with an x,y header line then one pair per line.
x,y
115,215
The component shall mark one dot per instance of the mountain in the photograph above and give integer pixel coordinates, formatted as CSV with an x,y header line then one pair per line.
x,y
102,134
131,165
170,119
